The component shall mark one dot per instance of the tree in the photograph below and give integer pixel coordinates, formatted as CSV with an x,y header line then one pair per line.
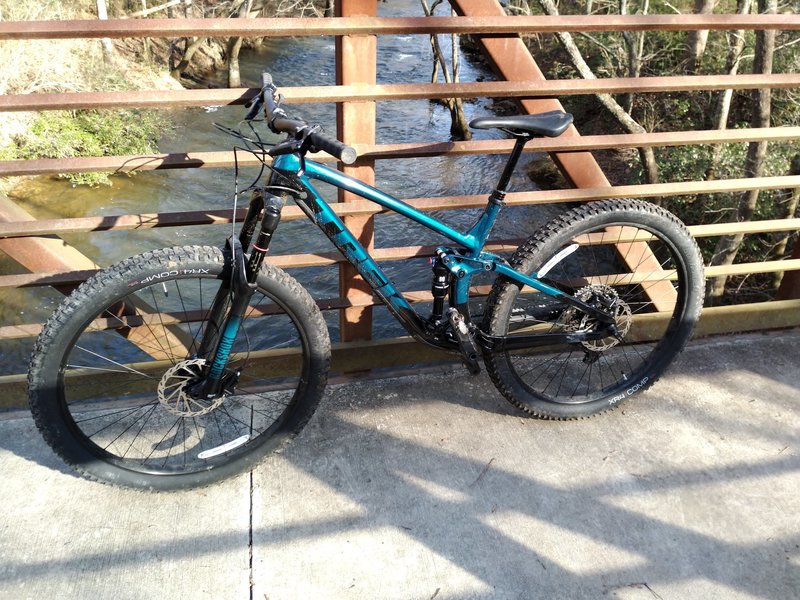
x,y
458,121
723,104
618,112
634,44
235,45
696,40
728,245
108,47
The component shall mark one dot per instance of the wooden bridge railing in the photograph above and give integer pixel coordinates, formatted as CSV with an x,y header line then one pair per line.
x,y
356,92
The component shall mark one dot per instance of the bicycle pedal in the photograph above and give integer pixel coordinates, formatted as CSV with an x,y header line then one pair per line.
x,y
466,341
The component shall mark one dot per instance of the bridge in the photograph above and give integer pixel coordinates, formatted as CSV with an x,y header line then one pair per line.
x,y
402,487
52,264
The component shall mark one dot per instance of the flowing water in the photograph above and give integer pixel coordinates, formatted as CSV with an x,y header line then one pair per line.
x,y
295,61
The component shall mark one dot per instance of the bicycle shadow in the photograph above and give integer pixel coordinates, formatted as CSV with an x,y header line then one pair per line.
x,y
401,487
588,510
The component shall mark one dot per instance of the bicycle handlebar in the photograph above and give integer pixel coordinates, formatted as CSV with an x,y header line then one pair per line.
x,y
279,122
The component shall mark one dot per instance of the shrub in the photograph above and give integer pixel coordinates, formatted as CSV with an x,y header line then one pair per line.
x,y
64,134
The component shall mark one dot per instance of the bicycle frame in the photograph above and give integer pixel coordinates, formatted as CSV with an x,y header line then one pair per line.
x,y
463,263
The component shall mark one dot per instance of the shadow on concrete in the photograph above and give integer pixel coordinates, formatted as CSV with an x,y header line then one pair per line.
x,y
690,491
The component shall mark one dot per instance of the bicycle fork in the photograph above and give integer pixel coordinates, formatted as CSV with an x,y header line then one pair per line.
x,y
233,297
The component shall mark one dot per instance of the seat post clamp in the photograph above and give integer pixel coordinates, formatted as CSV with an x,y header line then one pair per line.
x,y
498,197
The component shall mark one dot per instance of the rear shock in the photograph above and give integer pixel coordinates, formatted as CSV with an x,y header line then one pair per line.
x,y
440,287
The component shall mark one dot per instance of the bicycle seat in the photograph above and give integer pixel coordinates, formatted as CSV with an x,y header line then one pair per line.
x,y
550,124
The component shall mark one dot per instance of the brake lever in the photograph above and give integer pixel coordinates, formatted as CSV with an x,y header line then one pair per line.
x,y
287,146
277,110
254,105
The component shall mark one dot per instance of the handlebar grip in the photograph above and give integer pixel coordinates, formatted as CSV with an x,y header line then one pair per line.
x,y
280,122
347,154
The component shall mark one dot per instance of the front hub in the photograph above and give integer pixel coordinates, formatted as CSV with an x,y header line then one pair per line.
x,y
174,390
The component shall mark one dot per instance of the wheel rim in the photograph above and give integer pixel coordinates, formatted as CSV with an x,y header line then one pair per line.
x,y
652,301
110,375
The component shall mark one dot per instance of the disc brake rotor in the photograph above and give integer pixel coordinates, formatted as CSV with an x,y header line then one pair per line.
x,y
574,320
172,390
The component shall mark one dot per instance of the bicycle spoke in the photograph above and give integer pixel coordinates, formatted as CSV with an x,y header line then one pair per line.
x,y
605,269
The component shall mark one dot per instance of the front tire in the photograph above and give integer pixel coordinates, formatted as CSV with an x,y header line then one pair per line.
x,y
656,287
110,367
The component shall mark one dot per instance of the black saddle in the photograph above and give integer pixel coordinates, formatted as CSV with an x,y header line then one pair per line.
x,y
550,124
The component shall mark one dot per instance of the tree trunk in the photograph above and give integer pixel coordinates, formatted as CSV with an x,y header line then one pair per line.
x,y
723,105
191,48
146,53
696,40
459,127
234,75
646,154
234,46
634,44
728,245
789,211
108,47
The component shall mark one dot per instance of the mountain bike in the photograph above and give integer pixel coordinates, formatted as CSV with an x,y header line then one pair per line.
x,y
181,366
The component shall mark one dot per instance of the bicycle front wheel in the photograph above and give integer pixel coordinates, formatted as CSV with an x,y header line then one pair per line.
x,y
629,255
109,375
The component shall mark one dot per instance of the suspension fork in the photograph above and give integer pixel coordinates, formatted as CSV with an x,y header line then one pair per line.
x,y
234,295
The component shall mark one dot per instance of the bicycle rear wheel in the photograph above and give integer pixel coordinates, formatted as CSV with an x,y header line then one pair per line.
x,y
108,377
628,254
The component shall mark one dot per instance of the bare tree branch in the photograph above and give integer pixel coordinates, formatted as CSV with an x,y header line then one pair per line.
x,y
620,114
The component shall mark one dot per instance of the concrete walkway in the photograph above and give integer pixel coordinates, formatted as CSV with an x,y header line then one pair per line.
x,y
434,487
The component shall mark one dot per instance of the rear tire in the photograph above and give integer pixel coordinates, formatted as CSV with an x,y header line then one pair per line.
x,y
583,251
109,368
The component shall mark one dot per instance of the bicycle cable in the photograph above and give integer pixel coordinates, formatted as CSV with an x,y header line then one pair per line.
x,y
258,148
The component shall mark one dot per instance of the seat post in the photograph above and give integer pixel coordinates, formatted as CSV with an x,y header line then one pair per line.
x,y
511,164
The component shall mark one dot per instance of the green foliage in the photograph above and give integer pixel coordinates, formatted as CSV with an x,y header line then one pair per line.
x,y
89,133
689,163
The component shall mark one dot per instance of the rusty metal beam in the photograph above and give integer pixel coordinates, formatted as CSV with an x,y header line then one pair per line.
x,y
47,253
793,265
320,259
196,160
512,60
790,284
365,208
39,253
495,24
521,87
359,356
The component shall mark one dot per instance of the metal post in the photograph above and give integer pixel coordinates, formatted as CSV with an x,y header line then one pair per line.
x,y
356,62
790,284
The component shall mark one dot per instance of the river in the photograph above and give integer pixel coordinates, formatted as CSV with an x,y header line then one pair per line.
x,y
294,61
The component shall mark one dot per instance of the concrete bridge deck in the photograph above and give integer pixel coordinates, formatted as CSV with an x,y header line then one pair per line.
x,y
433,487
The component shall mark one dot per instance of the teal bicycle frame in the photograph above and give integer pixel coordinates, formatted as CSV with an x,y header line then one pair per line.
x,y
462,263
454,266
